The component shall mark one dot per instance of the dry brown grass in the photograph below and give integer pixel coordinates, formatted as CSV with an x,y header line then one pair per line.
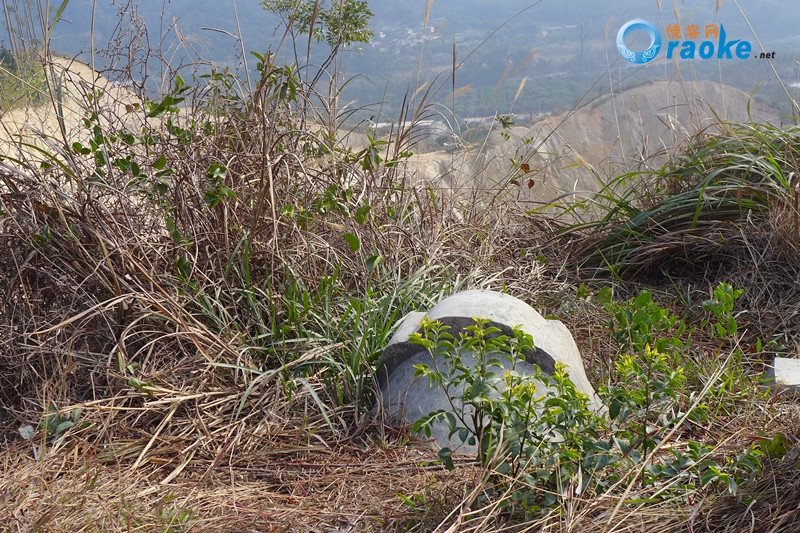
x,y
199,412
284,484
182,408
768,505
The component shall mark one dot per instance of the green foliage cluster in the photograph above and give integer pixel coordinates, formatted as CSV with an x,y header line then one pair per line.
x,y
529,438
338,24
7,61
549,439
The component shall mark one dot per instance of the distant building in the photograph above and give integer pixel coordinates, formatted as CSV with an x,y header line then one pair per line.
x,y
420,127
479,121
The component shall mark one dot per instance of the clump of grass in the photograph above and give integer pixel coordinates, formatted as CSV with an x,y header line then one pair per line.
x,y
723,210
207,277
740,179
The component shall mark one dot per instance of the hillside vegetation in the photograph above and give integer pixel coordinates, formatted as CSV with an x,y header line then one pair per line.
x,y
196,289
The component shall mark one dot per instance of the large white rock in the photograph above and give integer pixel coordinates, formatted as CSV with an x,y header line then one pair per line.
x,y
406,396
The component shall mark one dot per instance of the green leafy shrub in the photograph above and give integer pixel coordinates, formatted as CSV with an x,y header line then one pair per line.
x,y
649,396
341,23
721,306
533,431
537,434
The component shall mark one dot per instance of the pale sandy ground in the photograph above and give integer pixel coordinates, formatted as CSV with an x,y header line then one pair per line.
x,y
40,125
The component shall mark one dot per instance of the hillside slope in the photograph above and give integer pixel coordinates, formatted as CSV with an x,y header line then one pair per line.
x,y
636,129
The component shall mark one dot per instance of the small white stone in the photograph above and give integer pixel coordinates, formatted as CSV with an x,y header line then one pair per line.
x,y
785,373
26,432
